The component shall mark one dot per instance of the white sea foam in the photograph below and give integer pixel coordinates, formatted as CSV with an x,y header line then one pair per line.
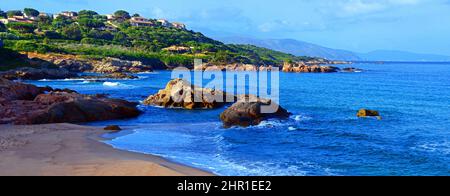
x,y
111,83
443,147
300,118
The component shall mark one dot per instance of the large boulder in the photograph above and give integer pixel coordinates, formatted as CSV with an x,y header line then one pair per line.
x,y
182,94
28,73
247,112
114,65
25,104
362,113
10,90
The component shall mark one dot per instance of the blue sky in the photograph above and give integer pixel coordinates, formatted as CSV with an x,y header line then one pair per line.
x,y
358,25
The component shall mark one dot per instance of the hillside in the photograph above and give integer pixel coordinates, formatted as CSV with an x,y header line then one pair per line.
x,y
295,47
125,36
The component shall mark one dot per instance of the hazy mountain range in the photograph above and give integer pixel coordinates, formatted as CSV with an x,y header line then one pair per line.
x,y
301,48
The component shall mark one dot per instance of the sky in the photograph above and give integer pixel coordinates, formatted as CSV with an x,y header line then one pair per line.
x,y
421,26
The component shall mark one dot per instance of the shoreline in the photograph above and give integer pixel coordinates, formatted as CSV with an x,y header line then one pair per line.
x,y
75,150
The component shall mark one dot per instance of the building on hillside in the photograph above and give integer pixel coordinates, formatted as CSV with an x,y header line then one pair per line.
x,y
67,14
16,19
164,23
110,17
178,25
140,22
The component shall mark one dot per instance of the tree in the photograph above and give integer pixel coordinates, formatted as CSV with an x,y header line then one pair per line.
x,y
12,13
90,23
2,27
30,12
122,15
72,32
136,15
61,21
96,34
21,27
44,20
89,13
121,37
3,14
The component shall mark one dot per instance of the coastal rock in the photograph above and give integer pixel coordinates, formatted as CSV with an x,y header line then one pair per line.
x,y
24,104
181,94
362,113
116,75
114,65
301,67
10,90
28,73
247,112
351,69
73,65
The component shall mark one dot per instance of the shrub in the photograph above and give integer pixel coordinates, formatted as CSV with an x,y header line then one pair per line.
x,y
21,27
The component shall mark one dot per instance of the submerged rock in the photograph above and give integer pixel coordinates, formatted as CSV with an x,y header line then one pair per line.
x,y
182,94
24,104
247,112
368,113
28,73
351,69
112,128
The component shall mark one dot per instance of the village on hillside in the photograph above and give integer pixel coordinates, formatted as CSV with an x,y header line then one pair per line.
x,y
32,16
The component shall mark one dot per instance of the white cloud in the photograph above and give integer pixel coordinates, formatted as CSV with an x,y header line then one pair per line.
x,y
349,8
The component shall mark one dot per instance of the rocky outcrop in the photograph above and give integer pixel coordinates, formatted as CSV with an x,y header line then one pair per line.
x,y
247,112
10,91
233,67
117,75
26,104
28,73
182,94
351,69
362,113
113,65
301,67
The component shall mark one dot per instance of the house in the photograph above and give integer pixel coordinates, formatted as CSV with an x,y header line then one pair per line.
x,y
67,14
164,22
140,22
178,25
110,17
16,19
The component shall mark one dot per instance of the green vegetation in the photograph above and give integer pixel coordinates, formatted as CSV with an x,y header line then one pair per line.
x,y
93,35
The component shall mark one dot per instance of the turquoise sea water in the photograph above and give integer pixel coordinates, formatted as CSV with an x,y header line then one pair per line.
x,y
323,137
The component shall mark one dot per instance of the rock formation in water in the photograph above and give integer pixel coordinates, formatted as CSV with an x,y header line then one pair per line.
x,y
362,113
247,112
301,67
182,94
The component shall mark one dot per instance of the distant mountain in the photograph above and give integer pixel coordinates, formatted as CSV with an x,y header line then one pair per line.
x,y
301,48
294,47
392,55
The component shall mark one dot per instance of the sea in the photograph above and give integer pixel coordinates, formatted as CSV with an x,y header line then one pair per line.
x,y
323,137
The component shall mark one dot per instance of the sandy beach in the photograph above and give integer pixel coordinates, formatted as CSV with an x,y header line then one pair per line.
x,y
73,150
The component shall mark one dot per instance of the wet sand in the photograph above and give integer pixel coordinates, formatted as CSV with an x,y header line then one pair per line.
x,y
73,150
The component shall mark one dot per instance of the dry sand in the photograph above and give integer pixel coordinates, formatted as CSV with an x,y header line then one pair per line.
x,y
73,150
